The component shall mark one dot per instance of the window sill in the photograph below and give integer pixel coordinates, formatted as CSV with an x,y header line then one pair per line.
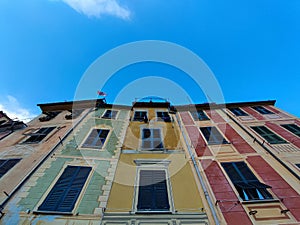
x,y
260,201
153,212
214,144
52,213
282,143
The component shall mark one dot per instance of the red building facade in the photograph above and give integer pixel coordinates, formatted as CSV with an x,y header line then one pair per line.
x,y
248,154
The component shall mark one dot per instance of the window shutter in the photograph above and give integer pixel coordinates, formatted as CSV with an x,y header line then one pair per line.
x,y
145,190
6,165
64,194
245,171
292,128
161,201
153,195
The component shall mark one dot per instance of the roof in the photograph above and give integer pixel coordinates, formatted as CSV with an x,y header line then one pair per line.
x,y
101,103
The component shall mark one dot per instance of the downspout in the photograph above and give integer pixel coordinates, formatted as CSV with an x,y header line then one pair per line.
x,y
40,163
201,179
262,145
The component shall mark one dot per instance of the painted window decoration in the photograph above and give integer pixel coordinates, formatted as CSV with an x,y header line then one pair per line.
x,y
268,135
238,112
140,116
292,128
151,139
110,114
39,135
213,136
153,191
199,115
96,139
262,110
6,165
245,182
64,194
163,116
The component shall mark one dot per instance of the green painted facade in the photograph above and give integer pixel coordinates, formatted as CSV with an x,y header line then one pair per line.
x,y
94,195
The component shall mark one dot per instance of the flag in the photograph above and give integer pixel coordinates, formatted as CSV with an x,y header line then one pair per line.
x,y
101,93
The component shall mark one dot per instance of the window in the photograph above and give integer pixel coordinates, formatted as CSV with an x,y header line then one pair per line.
x,y
163,116
49,116
262,110
292,128
268,135
38,136
64,194
74,114
6,165
238,112
110,114
199,115
151,139
213,136
245,182
153,191
96,139
298,164
140,116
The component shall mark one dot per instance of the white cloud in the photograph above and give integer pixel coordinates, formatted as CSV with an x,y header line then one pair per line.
x,y
97,8
14,110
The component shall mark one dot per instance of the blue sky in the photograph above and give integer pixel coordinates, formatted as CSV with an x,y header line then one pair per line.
x,y
252,48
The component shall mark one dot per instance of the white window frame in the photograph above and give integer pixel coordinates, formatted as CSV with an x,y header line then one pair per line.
x,y
151,127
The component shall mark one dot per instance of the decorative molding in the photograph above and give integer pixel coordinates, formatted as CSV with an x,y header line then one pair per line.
x,y
141,162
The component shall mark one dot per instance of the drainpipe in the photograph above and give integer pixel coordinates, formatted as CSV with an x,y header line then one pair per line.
x,y
201,179
41,162
262,145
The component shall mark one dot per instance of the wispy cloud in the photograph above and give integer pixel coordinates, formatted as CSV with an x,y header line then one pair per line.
x,y
11,106
97,8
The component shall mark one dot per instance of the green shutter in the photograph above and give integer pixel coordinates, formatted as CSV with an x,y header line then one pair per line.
x,y
64,194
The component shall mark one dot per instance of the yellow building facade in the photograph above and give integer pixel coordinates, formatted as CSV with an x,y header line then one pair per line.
x,y
154,181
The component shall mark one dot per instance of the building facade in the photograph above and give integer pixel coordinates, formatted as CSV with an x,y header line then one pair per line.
x,y
154,181
249,154
89,162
